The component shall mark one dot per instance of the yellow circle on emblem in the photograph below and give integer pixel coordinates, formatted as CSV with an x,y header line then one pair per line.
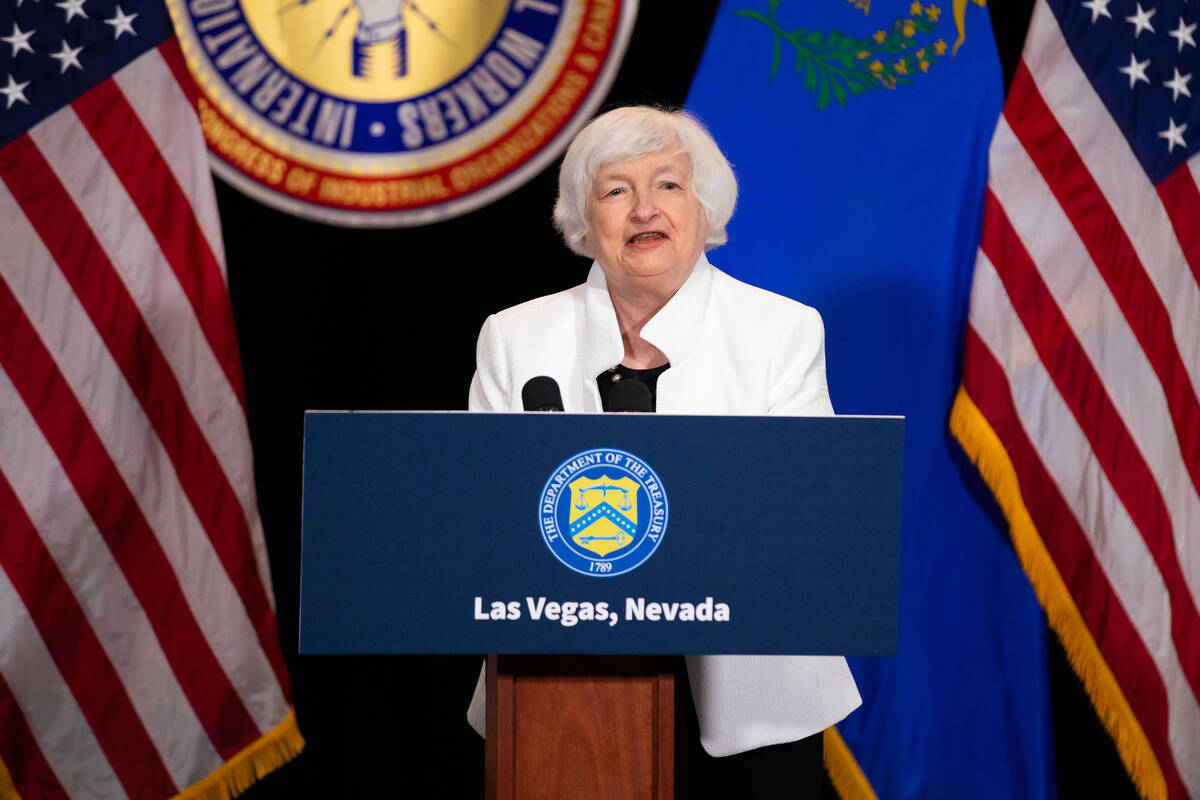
x,y
375,50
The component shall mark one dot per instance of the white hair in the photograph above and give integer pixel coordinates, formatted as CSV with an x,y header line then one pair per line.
x,y
628,133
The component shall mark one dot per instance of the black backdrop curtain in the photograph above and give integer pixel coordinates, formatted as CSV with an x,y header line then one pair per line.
x,y
339,318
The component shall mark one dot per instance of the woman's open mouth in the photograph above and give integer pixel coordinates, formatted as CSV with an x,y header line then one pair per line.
x,y
647,236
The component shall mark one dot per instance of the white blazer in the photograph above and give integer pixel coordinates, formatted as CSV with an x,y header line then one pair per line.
x,y
734,349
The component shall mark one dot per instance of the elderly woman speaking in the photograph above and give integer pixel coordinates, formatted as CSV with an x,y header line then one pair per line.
x,y
645,193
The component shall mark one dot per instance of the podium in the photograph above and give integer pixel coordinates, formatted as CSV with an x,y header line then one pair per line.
x,y
580,549
580,727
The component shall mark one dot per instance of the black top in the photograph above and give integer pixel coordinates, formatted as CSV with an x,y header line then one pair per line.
x,y
606,379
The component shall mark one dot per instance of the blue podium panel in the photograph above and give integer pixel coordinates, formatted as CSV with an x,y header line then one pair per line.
x,y
454,532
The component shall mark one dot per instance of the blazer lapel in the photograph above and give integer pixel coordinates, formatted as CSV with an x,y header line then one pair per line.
x,y
676,329
599,338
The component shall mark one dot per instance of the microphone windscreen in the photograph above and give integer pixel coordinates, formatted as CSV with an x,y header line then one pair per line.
x,y
629,395
541,394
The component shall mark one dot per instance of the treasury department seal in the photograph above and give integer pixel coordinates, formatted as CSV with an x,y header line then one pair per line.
x,y
603,512
395,112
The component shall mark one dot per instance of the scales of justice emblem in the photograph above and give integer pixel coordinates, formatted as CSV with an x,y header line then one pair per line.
x,y
603,513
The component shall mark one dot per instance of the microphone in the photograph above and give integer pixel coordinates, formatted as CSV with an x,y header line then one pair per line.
x,y
541,394
629,395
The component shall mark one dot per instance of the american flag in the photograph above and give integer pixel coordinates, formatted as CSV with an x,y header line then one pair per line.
x,y
1082,359
138,646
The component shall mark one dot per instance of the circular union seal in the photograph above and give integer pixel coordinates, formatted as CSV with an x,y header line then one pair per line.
x,y
395,112
603,512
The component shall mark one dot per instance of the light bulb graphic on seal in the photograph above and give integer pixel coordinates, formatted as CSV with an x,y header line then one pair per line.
x,y
381,41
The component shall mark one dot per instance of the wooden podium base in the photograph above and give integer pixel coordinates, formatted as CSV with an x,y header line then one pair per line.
x,y
567,727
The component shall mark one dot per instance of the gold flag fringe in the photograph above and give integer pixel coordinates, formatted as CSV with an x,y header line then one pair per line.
x,y
7,790
274,749
845,774
983,446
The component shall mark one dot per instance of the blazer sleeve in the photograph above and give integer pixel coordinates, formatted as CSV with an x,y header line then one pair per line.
x,y
797,383
491,387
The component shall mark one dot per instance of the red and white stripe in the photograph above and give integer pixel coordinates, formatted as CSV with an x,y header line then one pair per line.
x,y
1083,353
138,647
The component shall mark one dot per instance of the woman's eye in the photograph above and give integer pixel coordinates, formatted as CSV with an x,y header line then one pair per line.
x,y
670,185
614,191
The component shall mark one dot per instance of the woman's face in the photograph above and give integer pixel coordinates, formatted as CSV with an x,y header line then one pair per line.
x,y
645,226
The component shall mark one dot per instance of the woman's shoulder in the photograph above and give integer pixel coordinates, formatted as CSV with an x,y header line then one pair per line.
x,y
528,326
766,305
540,309
512,340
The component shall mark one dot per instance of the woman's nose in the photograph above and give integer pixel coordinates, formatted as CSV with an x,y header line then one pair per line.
x,y
643,209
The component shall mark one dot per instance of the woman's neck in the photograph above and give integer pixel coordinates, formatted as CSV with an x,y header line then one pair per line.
x,y
633,312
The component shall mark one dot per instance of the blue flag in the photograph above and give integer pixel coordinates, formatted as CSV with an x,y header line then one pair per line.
x,y
859,132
